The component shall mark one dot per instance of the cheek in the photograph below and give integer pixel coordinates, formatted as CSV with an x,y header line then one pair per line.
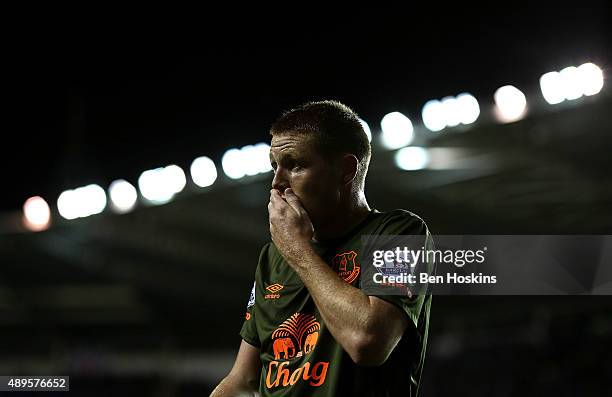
x,y
316,189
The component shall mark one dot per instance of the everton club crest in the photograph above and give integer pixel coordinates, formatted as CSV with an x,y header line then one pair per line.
x,y
346,265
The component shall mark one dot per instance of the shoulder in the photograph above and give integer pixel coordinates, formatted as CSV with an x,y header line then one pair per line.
x,y
269,256
400,221
265,249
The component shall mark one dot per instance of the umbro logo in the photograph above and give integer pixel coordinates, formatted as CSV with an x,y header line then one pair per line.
x,y
273,289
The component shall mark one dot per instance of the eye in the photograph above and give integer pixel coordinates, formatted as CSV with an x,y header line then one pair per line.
x,y
296,165
292,164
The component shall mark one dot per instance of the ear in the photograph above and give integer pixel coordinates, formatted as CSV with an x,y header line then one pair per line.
x,y
350,167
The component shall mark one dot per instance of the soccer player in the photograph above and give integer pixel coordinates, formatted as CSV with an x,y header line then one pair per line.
x,y
309,329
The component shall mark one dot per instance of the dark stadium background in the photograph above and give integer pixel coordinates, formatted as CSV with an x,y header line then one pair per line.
x,y
151,302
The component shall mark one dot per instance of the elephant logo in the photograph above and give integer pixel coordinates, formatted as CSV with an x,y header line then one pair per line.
x,y
346,266
283,346
310,342
301,330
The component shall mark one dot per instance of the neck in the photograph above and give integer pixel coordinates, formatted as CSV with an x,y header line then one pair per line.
x,y
344,218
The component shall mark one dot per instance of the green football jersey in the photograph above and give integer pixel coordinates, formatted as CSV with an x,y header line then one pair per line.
x,y
299,355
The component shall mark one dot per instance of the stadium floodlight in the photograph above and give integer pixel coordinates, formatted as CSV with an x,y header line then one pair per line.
x,y
175,178
263,158
203,171
412,158
123,196
66,205
81,202
231,162
451,111
153,187
248,161
551,86
366,129
467,108
570,83
159,185
433,115
36,214
591,78
255,159
95,199
510,104
397,130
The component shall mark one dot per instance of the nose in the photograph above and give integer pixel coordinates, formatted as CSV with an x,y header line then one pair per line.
x,y
280,182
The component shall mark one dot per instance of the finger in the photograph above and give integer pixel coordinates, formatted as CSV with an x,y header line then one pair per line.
x,y
278,202
275,199
273,211
295,202
275,205
275,195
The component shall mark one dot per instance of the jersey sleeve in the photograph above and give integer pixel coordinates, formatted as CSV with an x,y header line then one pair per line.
x,y
405,223
248,332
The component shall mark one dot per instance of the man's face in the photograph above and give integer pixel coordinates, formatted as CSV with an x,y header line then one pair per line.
x,y
314,180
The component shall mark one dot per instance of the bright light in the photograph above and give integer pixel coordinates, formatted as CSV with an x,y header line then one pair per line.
x,y
571,83
468,108
123,196
175,177
412,158
433,115
570,80
161,184
66,205
36,214
263,157
511,104
152,186
366,129
231,162
203,171
451,111
81,202
249,160
95,197
551,85
255,159
591,78
397,130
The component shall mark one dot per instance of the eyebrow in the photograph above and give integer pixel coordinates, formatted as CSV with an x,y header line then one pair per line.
x,y
290,153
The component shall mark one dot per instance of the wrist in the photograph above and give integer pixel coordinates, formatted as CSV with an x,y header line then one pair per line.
x,y
302,257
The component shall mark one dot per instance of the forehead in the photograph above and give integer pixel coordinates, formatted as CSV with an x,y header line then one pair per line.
x,y
295,143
